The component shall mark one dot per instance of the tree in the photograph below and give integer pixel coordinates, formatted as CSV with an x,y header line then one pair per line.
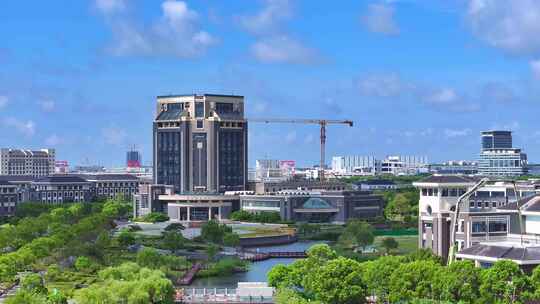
x,y
357,233
213,231
56,297
398,207
149,257
24,296
176,227
231,239
279,276
504,282
458,282
126,238
376,275
413,280
128,283
173,240
289,296
389,243
83,264
338,282
33,283
211,251
103,240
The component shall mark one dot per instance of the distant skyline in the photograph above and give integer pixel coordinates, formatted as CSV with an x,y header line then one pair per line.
x,y
418,77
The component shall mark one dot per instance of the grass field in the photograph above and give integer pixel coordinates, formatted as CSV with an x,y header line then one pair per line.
x,y
407,243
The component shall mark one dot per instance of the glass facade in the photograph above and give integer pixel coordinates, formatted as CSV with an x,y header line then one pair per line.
x,y
168,166
496,140
231,159
199,110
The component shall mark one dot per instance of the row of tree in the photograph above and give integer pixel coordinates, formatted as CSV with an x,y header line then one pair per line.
x,y
65,230
325,277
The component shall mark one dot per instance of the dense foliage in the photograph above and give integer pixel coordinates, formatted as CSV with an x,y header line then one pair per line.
x,y
153,217
417,278
217,233
128,283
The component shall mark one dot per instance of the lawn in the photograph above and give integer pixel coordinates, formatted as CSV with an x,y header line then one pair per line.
x,y
407,243
262,230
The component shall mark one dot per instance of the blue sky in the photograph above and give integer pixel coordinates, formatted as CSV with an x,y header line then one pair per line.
x,y
417,77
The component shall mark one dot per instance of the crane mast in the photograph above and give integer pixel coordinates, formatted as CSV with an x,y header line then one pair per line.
x,y
322,124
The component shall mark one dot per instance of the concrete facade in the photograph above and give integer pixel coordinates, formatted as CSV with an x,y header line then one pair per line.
x,y
27,162
481,218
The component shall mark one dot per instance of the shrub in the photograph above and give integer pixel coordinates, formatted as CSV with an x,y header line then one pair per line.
x,y
153,217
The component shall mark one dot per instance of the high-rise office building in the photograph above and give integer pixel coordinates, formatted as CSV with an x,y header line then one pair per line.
x,y
498,157
496,140
133,159
27,162
200,143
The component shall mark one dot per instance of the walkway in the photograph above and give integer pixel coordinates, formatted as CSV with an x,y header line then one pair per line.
x,y
261,256
190,275
7,293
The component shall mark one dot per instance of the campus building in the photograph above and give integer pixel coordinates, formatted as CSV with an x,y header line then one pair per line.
x,y
200,143
316,206
27,162
482,217
521,247
498,157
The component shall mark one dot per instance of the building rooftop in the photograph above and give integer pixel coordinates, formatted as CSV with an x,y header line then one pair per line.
x,y
16,178
109,177
61,179
448,179
519,254
210,95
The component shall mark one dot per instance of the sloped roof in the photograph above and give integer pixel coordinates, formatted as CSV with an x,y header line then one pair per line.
x,y
523,254
446,179
109,177
61,179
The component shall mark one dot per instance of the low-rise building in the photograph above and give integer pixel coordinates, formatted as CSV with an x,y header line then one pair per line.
x,y
375,184
316,206
57,189
112,185
9,198
521,247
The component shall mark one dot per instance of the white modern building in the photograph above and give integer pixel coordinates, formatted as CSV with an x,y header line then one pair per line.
x,y
498,157
27,162
370,165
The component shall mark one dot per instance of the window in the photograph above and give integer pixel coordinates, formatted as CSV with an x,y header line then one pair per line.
x,y
494,204
445,192
200,124
498,226
471,204
199,110
424,192
430,192
435,192
479,227
453,192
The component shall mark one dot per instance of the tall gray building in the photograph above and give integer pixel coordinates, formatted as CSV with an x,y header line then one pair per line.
x,y
200,143
27,162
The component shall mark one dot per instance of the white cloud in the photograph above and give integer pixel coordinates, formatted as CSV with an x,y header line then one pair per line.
x,y
53,140
499,92
383,85
442,96
110,6
513,26
290,137
451,133
176,33
268,19
113,135
512,126
283,49
26,128
4,100
535,68
47,105
380,19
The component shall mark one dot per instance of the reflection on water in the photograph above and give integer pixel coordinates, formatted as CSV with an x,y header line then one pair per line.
x,y
257,271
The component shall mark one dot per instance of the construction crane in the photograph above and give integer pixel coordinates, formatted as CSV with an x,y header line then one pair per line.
x,y
321,122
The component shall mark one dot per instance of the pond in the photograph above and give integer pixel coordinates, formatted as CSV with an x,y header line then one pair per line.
x,y
258,270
